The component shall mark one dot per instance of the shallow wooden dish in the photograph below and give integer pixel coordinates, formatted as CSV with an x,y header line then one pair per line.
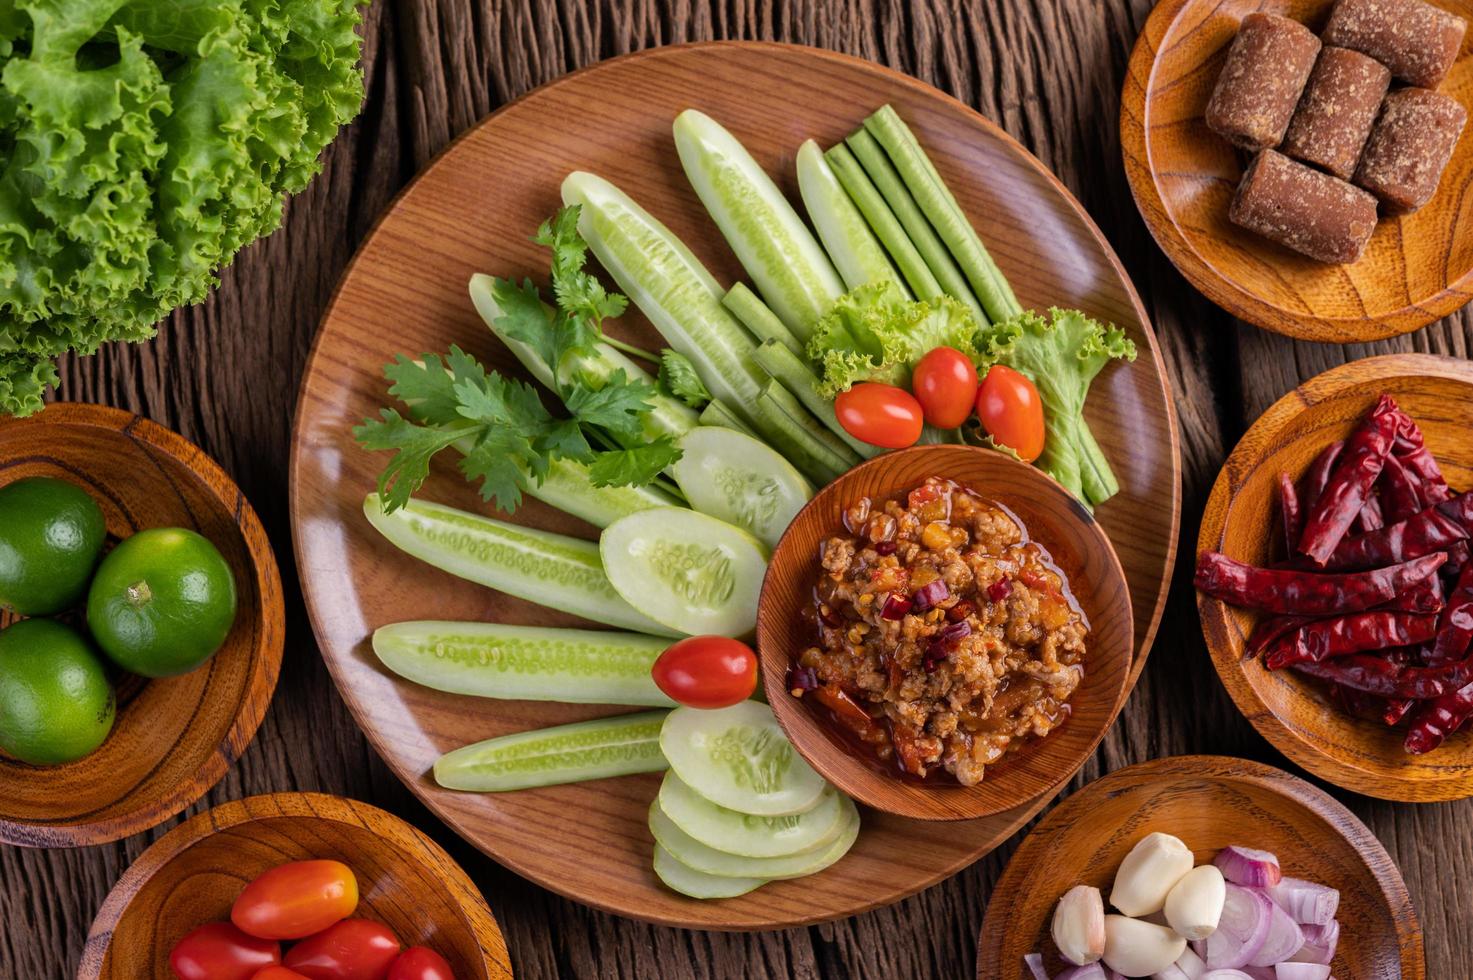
x,y
173,738
195,872
1055,520
1295,712
1416,269
1209,802
473,211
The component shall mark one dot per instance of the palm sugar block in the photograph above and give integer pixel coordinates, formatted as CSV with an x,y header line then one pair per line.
x,y
1338,110
1416,40
1302,208
1410,147
1261,81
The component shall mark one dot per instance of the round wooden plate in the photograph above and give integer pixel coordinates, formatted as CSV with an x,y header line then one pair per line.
x,y
175,737
1054,519
1293,712
1417,268
1209,802
473,210
195,872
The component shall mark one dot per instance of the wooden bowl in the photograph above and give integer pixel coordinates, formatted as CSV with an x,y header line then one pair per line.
x,y
1293,712
1053,518
174,737
1209,802
472,210
1416,269
195,872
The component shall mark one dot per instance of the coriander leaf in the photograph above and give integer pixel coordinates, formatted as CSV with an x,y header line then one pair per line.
x,y
428,385
633,467
497,461
526,318
564,437
580,296
616,407
678,378
414,446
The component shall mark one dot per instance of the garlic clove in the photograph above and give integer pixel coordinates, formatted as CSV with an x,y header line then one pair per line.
x,y
1079,925
1156,863
1139,949
1194,904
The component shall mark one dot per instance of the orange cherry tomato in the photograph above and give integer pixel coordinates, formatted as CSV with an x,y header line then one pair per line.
x,y
278,973
707,671
420,963
945,383
296,900
219,951
881,415
354,949
1011,411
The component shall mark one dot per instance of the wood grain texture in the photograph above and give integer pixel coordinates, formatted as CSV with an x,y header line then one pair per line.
x,y
173,738
407,291
1417,267
225,374
1209,802
195,873
1051,517
1292,711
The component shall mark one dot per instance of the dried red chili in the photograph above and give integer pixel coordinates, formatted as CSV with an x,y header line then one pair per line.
x,y
1369,518
1438,718
1297,593
1341,636
1355,472
1400,496
1290,511
1396,709
1411,450
1455,626
1318,475
1377,675
1432,530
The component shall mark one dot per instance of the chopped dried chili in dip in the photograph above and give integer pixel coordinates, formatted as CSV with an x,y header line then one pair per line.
x,y
946,637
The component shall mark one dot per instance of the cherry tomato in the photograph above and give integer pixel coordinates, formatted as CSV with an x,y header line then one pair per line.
x,y
707,671
296,900
278,973
945,383
354,949
420,963
881,415
219,951
1011,411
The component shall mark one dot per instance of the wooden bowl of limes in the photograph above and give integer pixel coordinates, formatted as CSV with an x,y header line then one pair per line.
x,y
114,752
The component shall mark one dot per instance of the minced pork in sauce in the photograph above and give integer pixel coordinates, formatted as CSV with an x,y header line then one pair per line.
x,y
945,636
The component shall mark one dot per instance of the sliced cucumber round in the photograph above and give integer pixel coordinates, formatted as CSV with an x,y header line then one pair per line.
x,y
695,884
707,860
739,758
746,835
532,663
617,746
686,571
741,480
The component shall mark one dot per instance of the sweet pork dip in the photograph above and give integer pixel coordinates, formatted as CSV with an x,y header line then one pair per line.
x,y
945,636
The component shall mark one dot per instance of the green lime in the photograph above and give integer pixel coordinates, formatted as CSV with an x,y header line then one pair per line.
x,y
56,704
51,533
162,602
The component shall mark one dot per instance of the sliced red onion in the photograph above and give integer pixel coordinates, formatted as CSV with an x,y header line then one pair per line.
x,y
1245,866
1172,972
929,594
1260,972
885,547
1092,971
1226,975
1319,944
1191,965
1034,962
1305,901
1283,940
1242,930
802,678
943,643
1000,590
1301,971
895,608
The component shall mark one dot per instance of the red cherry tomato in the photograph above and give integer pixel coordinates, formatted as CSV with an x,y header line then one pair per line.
x,y
420,963
219,951
1011,411
296,900
707,671
278,973
881,415
354,949
945,383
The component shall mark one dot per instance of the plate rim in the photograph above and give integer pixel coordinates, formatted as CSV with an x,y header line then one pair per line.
x,y
1144,641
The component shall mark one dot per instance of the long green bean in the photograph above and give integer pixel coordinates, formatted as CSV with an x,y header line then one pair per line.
x,y
883,222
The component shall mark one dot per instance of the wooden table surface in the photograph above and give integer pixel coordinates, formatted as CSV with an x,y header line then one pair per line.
x,y
226,376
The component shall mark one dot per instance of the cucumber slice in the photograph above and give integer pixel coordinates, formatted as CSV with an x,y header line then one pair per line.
x,y
746,835
531,663
688,571
856,252
617,746
739,758
697,856
567,486
690,882
741,480
552,570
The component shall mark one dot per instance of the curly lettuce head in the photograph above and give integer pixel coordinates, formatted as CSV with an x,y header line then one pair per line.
x,y
142,144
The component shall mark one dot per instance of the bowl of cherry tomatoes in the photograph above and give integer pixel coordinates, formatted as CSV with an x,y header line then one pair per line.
x,y
295,885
